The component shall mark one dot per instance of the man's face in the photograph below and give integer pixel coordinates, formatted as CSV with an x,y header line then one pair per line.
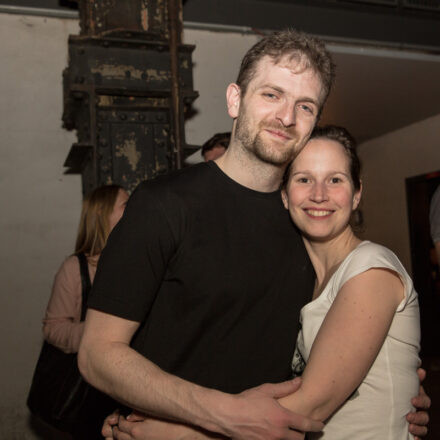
x,y
279,110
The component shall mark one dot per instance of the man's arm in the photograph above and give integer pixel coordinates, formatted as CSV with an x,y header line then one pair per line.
x,y
108,362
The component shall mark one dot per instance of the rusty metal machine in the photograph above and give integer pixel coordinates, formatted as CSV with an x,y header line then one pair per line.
x,y
126,89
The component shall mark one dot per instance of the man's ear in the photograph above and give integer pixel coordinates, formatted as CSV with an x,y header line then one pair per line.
x,y
233,96
284,198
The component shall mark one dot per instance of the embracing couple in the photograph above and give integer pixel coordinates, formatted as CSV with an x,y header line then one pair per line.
x,y
198,293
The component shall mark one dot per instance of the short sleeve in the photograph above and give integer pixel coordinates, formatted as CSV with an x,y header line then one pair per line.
x,y
434,216
134,261
368,256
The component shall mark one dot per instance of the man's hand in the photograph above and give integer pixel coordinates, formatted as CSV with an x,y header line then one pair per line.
x,y
256,415
419,420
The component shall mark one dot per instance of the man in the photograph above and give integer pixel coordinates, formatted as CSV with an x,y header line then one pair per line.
x,y
215,146
205,274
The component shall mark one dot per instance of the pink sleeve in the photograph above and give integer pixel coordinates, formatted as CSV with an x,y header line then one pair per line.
x,y
61,325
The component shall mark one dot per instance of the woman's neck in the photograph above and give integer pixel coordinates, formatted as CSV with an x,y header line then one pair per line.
x,y
326,256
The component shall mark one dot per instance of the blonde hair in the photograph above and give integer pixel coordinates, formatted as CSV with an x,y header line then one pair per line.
x,y
94,227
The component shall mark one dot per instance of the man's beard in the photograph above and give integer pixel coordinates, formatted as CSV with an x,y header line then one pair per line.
x,y
264,151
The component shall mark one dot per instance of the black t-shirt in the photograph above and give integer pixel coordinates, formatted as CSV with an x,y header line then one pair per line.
x,y
215,273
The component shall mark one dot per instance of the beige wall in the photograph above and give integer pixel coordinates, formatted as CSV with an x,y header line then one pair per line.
x,y
387,162
39,204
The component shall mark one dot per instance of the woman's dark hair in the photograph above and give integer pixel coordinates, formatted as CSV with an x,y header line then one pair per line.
x,y
343,137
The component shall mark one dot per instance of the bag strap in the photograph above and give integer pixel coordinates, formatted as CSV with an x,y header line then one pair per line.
x,y
85,282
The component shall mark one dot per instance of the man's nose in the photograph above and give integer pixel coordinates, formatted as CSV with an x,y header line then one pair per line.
x,y
286,114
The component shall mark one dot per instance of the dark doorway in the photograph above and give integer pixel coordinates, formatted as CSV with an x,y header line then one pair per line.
x,y
425,270
426,277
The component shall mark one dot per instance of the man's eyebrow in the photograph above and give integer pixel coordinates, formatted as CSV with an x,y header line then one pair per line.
x,y
307,99
272,86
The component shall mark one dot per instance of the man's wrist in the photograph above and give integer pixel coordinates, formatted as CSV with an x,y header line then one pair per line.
x,y
214,408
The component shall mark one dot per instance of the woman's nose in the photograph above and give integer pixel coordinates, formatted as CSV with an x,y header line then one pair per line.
x,y
319,193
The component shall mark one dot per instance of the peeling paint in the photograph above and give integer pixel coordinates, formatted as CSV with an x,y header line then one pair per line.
x,y
117,71
129,151
158,74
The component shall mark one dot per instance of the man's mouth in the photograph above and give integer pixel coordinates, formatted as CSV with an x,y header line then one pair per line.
x,y
279,134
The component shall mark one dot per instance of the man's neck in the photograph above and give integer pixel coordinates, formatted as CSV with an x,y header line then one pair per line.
x,y
249,171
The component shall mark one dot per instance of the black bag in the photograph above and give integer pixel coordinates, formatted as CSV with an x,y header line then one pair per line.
x,y
58,391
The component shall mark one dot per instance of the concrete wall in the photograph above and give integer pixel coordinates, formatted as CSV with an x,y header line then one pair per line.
x,y
387,162
40,205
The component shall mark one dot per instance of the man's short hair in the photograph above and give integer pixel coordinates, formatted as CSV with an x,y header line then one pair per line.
x,y
297,46
222,139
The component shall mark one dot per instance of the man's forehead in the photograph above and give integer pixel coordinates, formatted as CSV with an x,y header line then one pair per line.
x,y
296,65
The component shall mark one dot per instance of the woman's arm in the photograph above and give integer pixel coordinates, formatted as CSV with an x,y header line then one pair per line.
x,y
347,343
61,324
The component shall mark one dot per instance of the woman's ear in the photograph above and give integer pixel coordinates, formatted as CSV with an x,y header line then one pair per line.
x,y
233,96
284,198
357,198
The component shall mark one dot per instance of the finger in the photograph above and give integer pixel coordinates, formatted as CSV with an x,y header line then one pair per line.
x,y
418,418
421,373
417,430
119,435
422,401
112,419
136,416
126,426
282,389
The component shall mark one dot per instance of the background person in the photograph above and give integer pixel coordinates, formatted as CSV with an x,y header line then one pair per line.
x,y
215,146
62,327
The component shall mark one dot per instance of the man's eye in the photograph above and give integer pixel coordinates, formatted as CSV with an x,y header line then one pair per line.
x,y
270,95
307,108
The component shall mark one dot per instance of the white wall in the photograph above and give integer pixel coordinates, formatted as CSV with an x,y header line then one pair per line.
x,y
39,204
387,162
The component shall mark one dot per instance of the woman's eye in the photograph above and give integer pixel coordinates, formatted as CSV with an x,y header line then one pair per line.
x,y
303,179
335,180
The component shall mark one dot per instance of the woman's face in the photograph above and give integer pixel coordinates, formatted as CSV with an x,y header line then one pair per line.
x,y
118,208
320,195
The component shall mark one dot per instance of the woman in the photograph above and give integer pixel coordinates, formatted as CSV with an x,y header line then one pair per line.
x,y
360,334
62,327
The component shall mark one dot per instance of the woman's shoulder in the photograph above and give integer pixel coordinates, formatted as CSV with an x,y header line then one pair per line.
x,y
368,253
